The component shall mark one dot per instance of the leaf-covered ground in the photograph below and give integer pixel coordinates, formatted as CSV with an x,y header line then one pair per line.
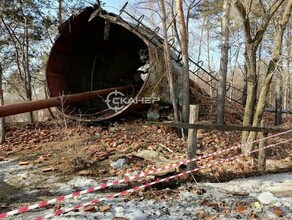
x,y
54,152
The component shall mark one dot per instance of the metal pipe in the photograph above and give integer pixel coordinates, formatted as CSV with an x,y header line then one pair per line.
x,y
18,108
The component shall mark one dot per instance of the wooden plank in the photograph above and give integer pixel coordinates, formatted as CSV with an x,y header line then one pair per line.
x,y
206,126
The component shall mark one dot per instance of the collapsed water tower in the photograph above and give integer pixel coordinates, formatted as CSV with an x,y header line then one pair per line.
x,y
100,51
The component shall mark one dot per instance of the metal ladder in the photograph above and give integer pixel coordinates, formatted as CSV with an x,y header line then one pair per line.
x,y
137,19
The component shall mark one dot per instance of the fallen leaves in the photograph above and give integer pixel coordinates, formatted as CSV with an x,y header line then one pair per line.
x,y
211,217
41,159
100,155
85,172
240,209
89,208
48,169
104,208
23,163
278,211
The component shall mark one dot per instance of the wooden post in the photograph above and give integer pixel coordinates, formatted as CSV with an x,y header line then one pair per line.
x,y
192,136
262,152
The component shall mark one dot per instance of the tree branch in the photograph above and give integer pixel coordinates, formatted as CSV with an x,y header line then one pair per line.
x,y
246,23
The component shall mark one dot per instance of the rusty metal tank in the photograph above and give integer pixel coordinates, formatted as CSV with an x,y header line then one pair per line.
x,y
96,50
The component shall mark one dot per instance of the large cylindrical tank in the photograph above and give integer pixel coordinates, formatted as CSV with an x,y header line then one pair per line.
x,y
101,58
98,50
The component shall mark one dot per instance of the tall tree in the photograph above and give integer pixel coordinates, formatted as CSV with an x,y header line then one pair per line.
x,y
184,42
223,62
272,67
26,27
253,37
26,60
168,60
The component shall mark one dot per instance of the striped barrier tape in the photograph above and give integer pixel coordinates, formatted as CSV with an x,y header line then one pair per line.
x,y
130,178
137,188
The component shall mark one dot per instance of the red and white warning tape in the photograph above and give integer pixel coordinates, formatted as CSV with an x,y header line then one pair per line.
x,y
130,178
137,188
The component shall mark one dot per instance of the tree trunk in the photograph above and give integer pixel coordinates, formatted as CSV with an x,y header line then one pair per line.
x,y
200,48
276,55
168,62
2,121
28,73
185,61
28,88
279,97
223,62
252,40
244,90
209,63
25,61
60,20
251,92
287,69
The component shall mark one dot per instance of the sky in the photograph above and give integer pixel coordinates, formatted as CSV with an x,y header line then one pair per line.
x,y
115,5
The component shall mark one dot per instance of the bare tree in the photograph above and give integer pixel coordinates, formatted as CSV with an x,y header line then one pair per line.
x,y
252,42
168,60
184,42
272,67
223,62
27,73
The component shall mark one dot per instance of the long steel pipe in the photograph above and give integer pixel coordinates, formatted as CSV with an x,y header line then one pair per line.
x,y
18,108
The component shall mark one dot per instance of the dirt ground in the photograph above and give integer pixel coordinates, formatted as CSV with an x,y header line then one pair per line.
x,y
72,149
